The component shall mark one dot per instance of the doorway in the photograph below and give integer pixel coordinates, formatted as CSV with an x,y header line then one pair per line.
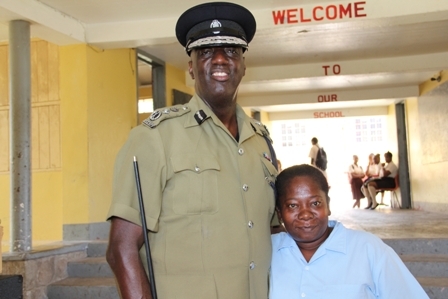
x,y
151,83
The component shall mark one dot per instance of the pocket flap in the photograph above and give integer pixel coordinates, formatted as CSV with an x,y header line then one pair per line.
x,y
197,162
269,168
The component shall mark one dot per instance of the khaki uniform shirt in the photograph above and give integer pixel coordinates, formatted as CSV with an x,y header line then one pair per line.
x,y
208,201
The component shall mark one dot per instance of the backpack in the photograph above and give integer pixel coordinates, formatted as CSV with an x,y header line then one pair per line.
x,y
321,159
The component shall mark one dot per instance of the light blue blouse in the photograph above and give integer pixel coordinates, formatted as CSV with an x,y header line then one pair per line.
x,y
350,264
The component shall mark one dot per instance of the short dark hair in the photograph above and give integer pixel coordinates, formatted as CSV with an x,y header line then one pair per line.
x,y
388,154
314,140
285,177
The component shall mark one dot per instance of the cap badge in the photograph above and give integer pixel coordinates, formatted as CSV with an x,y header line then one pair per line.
x,y
215,24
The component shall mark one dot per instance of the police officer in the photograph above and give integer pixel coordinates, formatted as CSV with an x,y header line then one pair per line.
x,y
206,172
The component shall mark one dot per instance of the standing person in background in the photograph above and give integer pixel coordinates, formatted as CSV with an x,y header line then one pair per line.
x,y
207,176
314,152
356,174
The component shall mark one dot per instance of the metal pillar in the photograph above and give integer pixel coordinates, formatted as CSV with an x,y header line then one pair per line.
x,y
20,134
403,169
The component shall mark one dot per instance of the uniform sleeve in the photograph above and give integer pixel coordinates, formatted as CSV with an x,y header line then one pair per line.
x,y
146,146
393,169
392,277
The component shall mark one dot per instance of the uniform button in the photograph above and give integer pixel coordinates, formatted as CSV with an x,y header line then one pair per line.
x,y
303,295
250,224
241,151
245,187
251,265
196,168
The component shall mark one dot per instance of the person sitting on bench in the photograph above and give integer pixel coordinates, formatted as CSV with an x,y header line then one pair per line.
x,y
386,180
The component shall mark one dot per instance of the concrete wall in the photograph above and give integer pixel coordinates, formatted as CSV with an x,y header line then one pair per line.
x,y
428,149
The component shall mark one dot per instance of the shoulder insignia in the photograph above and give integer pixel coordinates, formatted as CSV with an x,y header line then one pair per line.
x,y
259,128
161,114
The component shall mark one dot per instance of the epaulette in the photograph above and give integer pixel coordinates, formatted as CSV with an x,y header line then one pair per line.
x,y
259,128
161,114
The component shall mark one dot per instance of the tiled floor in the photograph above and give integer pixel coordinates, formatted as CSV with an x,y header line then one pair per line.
x,y
390,223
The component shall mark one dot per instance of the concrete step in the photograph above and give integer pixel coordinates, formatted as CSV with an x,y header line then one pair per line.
x,y
89,267
418,246
435,287
85,288
427,265
97,248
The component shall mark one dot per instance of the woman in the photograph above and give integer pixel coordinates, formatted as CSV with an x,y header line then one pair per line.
x,y
373,168
373,172
318,258
355,175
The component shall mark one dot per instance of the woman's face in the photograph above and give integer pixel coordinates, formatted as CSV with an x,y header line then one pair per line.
x,y
304,210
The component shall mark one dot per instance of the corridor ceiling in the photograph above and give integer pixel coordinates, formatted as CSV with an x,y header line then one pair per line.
x,y
305,52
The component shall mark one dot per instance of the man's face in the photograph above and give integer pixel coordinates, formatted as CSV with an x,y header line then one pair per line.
x,y
304,211
218,72
387,158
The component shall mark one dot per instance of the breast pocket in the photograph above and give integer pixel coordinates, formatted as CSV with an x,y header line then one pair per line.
x,y
347,291
195,184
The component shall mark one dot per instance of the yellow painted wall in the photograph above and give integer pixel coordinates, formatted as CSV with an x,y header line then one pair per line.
x,y
74,97
99,107
46,145
46,207
429,85
84,103
428,180
112,112
175,79
145,92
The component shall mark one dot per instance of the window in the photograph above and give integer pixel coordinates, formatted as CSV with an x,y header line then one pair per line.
x,y
293,134
369,130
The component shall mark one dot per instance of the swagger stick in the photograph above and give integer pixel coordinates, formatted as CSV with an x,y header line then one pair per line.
x,y
152,282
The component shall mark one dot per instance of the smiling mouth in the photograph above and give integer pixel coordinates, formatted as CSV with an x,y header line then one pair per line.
x,y
220,75
306,226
